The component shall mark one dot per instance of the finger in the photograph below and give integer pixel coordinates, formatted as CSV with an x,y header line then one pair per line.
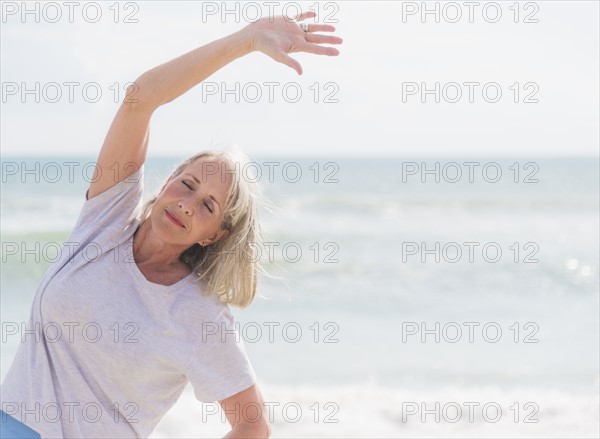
x,y
304,15
319,50
284,58
320,28
323,39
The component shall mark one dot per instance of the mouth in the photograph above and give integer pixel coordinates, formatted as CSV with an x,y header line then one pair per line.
x,y
174,219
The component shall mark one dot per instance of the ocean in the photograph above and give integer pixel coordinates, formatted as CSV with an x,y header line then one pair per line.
x,y
421,297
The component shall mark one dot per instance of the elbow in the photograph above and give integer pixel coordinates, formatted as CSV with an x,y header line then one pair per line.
x,y
266,430
255,430
261,430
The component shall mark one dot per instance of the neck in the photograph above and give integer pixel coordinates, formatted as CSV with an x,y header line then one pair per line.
x,y
151,251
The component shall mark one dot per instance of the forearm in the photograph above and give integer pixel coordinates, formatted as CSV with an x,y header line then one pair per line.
x,y
170,80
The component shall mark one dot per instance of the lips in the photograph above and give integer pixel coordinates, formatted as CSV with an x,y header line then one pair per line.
x,y
174,219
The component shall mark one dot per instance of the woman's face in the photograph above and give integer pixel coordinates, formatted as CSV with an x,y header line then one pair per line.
x,y
190,206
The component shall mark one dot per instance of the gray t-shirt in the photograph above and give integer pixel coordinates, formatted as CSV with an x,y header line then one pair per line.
x,y
106,353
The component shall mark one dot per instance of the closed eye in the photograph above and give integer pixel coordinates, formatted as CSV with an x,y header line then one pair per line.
x,y
186,184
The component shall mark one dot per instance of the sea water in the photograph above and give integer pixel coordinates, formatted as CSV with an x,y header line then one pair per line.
x,y
407,297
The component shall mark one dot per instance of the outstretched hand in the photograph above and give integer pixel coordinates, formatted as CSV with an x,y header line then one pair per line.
x,y
277,37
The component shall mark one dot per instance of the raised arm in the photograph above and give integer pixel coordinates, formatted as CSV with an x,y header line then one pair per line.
x,y
124,148
125,145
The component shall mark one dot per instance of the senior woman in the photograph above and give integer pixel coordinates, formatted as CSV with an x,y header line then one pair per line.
x,y
137,304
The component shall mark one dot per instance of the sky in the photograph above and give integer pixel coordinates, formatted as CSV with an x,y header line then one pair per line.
x,y
372,100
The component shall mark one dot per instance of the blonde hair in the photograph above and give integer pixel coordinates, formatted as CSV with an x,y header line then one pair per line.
x,y
230,266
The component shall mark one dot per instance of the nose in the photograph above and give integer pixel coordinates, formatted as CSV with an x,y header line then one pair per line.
x,y
185,206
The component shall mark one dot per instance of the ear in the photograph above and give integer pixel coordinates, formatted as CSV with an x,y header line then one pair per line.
x,y
216,237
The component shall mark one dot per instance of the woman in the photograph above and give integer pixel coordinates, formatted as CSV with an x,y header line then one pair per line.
x,y
118,327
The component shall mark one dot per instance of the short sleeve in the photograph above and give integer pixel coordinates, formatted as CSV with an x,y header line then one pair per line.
x,y
106,216
219,367
103,222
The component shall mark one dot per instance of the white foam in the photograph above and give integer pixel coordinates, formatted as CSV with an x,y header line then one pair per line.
x,y
375,410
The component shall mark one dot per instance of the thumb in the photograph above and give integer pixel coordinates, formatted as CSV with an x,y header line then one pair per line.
x,y
284,58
